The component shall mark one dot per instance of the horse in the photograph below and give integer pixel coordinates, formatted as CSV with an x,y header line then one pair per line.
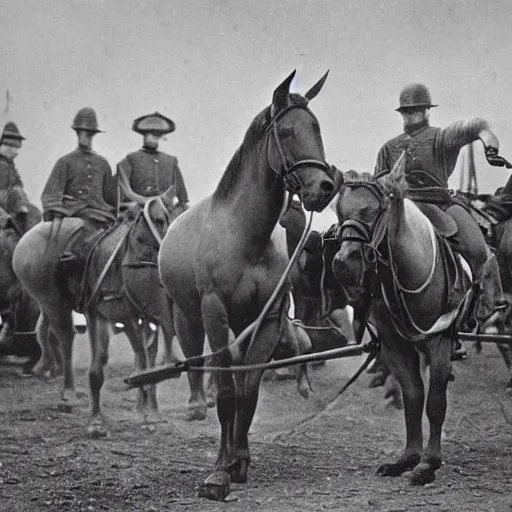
x,y
390,250
19,311
221,261
502,241
120,283
306,285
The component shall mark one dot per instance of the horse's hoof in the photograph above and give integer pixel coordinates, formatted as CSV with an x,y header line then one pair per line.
x,y
215,487
96,429
422,474
397,468
238,471
377,381
211,402
68,401
149,427
196,413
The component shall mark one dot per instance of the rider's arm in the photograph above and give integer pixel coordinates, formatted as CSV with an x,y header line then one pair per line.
x,y
126,192
54,190
181,189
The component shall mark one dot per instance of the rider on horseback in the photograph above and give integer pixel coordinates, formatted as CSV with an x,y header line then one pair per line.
x,y
80,185
148,172
431,157
13,199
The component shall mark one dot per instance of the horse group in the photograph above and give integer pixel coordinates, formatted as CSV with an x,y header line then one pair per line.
x,y
215,271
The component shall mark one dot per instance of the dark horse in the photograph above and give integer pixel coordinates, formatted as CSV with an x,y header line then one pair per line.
x,y
390,249
503,243
220,262
121,284
19,312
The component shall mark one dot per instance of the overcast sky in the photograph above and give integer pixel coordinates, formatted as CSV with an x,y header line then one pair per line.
x,y
212,65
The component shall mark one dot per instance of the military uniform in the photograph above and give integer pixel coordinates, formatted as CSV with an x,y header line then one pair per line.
x,y
78,186
80,182
149,172
431,155
13,198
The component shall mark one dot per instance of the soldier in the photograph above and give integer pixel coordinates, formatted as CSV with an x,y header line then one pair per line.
x,y
431,156
149,172
80,186
13,199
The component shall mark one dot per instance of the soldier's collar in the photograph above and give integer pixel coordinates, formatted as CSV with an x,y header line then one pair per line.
x,y
414,129
84,149
147,149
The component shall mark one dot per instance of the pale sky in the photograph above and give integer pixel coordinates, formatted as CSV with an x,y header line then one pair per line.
x,y
212,65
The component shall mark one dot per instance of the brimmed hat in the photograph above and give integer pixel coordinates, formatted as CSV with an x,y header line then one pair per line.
x,y
155,122
415,96
86,120
11,136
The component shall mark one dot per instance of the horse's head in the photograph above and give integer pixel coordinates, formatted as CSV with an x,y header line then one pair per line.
x,y
295,149
155,217
359,210
363,226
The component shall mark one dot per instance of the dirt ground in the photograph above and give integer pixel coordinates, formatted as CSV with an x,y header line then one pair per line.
x,y
327,463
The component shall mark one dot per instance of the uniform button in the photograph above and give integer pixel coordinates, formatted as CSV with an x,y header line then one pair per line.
x,y
155,160
88,166
89,176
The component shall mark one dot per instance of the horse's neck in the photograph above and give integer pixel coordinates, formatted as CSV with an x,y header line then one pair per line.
x,y
411,242
256,199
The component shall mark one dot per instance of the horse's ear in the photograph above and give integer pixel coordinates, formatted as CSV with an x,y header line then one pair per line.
x,y
280,97
397,174
316,88
169,197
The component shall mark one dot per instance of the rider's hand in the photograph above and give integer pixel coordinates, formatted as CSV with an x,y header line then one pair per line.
x,y
491,142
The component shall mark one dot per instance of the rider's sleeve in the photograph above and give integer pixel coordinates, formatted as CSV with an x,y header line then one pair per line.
x,y
382,163
54,190
17,199
181,189
455,136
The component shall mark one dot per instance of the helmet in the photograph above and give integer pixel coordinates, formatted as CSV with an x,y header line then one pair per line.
x,y
11,135
415,95
86,120
153,123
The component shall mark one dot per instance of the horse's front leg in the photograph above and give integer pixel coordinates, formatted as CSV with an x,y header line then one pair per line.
x,y
440,350
190,334
99,339
150,337
215,319
404,363
274,331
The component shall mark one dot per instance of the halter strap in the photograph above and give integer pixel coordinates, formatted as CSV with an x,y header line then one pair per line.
x,y
287,171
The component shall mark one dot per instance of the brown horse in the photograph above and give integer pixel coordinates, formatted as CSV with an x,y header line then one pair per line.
x,y
390,249
220,261
121,284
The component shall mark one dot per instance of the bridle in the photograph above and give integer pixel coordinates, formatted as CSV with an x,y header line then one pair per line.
x,y
287,170
369,234
149,220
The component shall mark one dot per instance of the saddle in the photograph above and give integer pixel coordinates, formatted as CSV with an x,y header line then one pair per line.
x,y
442,222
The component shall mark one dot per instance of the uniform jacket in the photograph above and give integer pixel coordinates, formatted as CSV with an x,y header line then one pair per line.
x,y
79,185
148,172
12,193
430,149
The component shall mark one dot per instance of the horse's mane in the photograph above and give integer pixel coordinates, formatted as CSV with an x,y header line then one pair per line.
x,y
252,137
